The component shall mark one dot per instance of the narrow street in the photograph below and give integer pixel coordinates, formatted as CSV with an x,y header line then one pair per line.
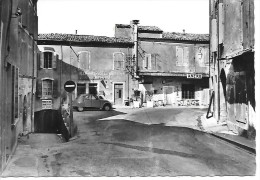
x,y
139,142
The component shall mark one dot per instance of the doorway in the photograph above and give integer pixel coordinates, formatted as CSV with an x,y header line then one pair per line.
x,y
81,89
118,93
168,92
24,113
92,89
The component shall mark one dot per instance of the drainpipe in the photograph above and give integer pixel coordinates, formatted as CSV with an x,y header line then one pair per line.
x,y
134,24
32,95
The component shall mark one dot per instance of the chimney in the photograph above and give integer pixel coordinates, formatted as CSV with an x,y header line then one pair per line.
x,y
183,31
76,32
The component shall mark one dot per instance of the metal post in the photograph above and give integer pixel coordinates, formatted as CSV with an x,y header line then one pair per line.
x,y
71,114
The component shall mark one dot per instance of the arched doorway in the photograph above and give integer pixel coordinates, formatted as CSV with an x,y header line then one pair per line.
x,y
24,113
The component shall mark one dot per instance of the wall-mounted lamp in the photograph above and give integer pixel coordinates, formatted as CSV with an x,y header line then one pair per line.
x,y
17,13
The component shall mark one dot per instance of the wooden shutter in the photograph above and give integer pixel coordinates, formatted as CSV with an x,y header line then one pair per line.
x,y
53,60
41,60
186,56
39,88
149,66
213,41
144,62
55,88
24,5
179,55
221,23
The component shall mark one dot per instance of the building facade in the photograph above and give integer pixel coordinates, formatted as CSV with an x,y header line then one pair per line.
x,y
97,65
232,77
172,68
18,35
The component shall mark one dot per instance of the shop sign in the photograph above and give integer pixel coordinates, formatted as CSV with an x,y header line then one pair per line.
x,y
194,76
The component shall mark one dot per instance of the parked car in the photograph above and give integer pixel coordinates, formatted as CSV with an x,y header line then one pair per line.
x,y
91,101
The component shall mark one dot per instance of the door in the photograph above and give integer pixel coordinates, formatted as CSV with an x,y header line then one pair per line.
x,y
118,93
87,101
81,89
95,102
168,92
92,88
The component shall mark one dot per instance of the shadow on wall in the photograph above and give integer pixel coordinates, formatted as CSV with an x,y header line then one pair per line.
x,y
50,121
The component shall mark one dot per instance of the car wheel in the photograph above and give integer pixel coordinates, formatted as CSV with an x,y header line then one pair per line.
x,y
107,107
80,109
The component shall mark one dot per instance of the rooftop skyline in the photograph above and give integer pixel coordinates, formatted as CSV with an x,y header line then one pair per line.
x,y
99,17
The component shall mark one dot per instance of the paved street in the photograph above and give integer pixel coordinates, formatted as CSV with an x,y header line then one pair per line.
x,y
138,142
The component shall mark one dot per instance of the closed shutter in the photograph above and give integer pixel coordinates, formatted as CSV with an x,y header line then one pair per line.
x,y
53,59
41,63
221,23
144,63
24,5
39,88
55,88
149,61
186,56
213,40
179,55
206,55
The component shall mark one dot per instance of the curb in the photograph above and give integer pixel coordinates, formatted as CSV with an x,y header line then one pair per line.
x,y
242,146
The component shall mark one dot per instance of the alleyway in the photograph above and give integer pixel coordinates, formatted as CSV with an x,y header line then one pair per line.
x,y
148,142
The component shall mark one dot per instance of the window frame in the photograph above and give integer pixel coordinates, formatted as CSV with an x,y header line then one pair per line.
x,y
147,61
191,91
52,55
45,96
185,56
88,52
123,61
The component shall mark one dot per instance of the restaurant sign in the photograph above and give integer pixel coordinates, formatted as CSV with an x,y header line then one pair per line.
x,y
194,76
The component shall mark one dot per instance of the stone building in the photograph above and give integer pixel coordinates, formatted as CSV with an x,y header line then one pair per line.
x,y
97,64
172,68
18,53
232,72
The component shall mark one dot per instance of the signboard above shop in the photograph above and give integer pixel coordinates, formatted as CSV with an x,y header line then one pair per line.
x,y
194,76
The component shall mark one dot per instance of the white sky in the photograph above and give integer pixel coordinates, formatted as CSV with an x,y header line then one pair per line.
x,y
98,17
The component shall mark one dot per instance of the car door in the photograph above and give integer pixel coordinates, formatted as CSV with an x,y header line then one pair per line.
x,y
87,101
95,102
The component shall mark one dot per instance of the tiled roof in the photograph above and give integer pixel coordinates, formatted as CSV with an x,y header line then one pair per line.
x,y
82,38
141,28
185,36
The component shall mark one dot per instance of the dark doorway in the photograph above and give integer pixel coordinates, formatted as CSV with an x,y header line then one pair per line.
x,y
81,89
24,113
118,91
92,88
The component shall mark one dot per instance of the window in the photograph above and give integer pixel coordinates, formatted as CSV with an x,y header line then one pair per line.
x,y
188,91
84,60
47,88
118,61
46,104
182,54
202,56
47,60
147,61
92,88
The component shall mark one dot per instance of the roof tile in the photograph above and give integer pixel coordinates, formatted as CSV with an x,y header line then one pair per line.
x,y
82,38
